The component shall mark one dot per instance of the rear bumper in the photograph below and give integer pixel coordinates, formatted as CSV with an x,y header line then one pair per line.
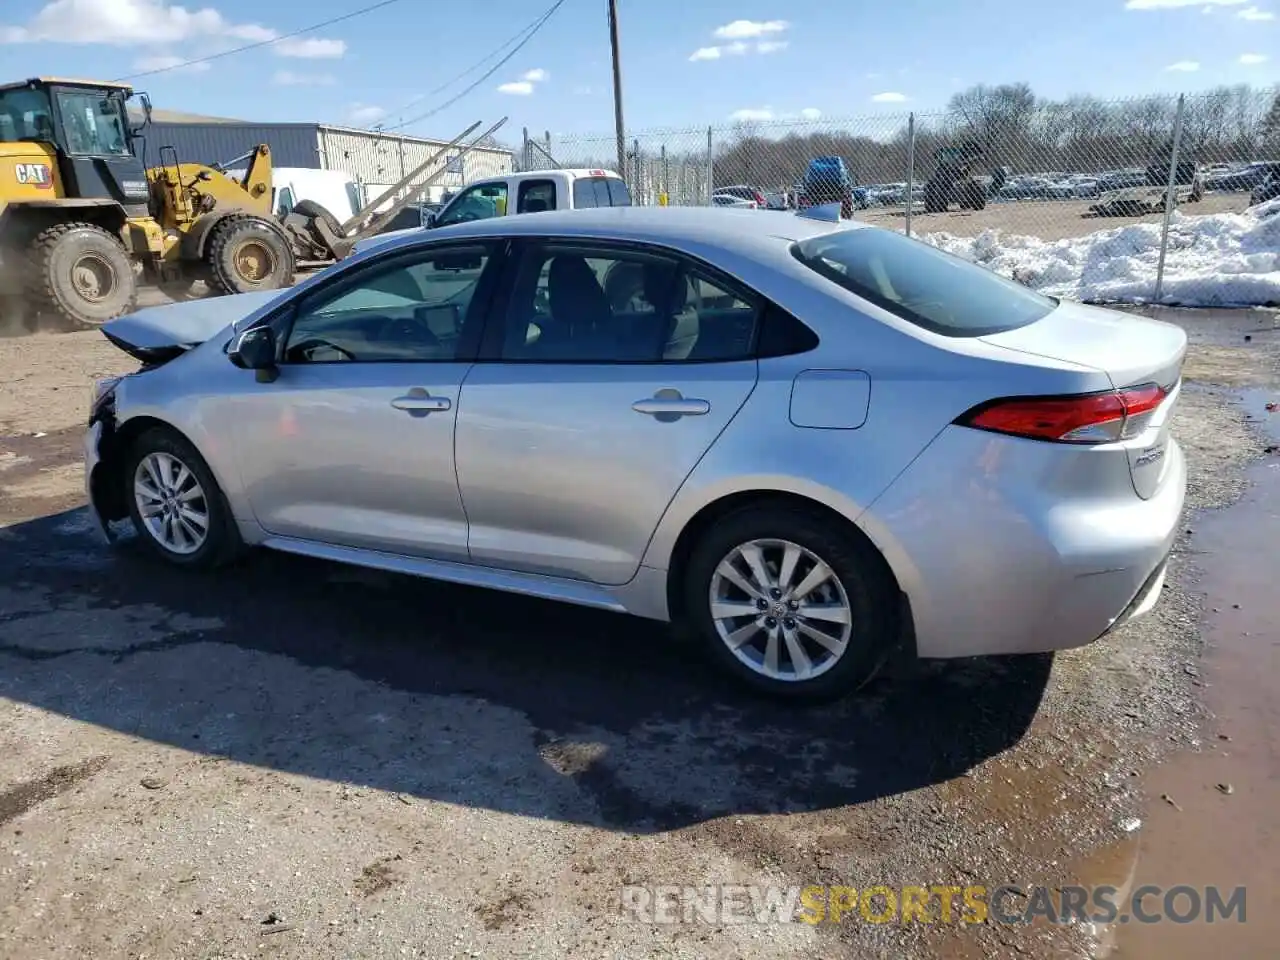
x,y
994,562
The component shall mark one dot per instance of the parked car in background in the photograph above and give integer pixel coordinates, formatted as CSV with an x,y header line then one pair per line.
x,y
1268,189
729,200
1122,179
1243,178
744,192
668,412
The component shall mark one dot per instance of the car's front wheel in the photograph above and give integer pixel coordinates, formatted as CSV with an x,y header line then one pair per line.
x,y
175,504
790,605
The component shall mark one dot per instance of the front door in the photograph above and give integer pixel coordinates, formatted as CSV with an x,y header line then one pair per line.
x,y
353,443
612,373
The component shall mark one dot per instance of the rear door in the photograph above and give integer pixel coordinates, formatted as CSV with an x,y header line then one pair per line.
x,y
605,376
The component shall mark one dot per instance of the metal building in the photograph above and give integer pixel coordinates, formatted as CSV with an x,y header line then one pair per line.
x,y
374,159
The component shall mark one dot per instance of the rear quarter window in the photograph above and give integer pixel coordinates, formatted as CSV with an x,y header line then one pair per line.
x,y
600,192
922,284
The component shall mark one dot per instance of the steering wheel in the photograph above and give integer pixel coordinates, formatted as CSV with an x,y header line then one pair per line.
x,y
407,330
305,347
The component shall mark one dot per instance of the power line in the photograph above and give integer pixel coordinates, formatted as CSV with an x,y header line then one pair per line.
x,y
261,43
471,69
532,31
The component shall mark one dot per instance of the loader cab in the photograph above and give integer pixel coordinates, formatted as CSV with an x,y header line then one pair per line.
x,y
87,125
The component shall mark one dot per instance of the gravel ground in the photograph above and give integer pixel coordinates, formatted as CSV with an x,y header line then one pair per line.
x,y
296,760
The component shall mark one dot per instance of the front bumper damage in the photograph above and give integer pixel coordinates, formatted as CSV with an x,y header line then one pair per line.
x,y
101,461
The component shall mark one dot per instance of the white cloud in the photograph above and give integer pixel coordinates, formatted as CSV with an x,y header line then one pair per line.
x,y
166,61
749,29
771,46
1184,66
1250,59
810,113
749,114
705,53
152,23
1174,4
889,96
287,78
1255,14
311,48
362,114
524,86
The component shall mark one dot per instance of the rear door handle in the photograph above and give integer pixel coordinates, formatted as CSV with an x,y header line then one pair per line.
x,y
418,403
667,405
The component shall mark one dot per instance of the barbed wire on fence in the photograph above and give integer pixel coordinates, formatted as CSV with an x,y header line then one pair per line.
x,y
1033,189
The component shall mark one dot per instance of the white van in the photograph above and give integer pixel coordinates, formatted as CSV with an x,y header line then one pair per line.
x,y
335,190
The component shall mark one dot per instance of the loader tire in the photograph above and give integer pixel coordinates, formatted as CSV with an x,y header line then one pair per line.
x,y
82,274
247,254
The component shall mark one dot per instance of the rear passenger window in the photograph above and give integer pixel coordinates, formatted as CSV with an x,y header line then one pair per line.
x,y
576,304
536,196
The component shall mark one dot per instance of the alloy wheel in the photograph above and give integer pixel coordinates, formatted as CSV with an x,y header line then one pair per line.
x,y
171,503
781,610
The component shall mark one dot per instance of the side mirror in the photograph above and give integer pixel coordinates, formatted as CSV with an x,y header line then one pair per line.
x,y
429,219
256,350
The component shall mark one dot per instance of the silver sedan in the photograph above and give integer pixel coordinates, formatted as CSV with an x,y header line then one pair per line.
x,y
811,442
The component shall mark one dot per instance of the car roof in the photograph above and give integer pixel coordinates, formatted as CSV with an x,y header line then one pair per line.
x,y
750,232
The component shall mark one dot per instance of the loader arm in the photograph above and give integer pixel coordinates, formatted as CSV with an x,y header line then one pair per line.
x,y
366,222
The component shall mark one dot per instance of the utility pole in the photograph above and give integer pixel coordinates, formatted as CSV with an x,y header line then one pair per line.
x,y
619,126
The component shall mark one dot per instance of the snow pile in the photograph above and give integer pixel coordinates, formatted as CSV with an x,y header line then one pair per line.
x,y
1213,260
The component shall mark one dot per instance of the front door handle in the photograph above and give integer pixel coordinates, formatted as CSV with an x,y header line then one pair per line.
x,y
667,405
418,403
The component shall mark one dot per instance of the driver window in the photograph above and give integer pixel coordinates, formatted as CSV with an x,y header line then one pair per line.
x,y
412,311
479,203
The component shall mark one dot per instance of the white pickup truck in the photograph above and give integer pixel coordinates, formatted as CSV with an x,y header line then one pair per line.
x,y
534,191
529,192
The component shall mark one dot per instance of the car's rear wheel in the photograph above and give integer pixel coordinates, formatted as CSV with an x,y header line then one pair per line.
x,y
789,605
175,504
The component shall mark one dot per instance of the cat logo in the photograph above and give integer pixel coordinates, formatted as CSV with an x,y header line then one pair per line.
x,y
34,175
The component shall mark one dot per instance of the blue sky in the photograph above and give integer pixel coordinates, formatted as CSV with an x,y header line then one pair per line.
x,y
685,64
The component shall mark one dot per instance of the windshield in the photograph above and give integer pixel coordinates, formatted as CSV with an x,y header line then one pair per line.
x,y
922,284
94,124
25,116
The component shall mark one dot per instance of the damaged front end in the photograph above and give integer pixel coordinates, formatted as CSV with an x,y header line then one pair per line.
x,y
102,458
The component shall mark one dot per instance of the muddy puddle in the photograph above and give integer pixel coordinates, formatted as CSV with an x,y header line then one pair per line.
x,y
1213,816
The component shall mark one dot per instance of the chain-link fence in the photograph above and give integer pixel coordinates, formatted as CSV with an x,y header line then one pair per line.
x,y
1154,199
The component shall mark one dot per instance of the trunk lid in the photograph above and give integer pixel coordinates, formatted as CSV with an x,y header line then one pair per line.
x,y
1131,350
156,335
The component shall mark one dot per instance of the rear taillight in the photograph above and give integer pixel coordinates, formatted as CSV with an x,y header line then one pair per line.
x,y
760,200
1086,418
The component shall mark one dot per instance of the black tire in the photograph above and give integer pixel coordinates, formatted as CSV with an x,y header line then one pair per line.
x,y
222,541
315,211
81,273
868,586
270,252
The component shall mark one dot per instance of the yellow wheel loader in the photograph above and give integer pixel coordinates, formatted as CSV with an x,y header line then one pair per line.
x,y
82,219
